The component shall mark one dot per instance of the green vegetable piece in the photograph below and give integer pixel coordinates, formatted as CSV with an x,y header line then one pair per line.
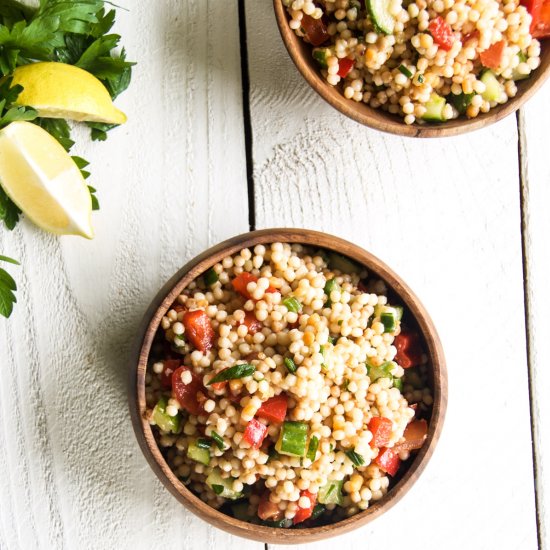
x,y
493,88
379,12
318,510
404,70
420,78
320,55
342,263
331,493
218,440
461,101
292,304
389,316
383,371
323,351
165,422
223,487
211,277
516,75
281,524
330,285
356,458
398,383
203,443
290,365
198,454
331,340
435,108
312,449
292,439
232,373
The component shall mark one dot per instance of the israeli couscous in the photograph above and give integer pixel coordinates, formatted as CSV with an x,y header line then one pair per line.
x,y
423,60
286,389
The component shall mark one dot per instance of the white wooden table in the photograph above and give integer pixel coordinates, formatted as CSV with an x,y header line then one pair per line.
x,y
464,220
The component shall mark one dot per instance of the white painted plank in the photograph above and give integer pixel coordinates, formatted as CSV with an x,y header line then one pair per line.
x,y
171,182
445,215
535,123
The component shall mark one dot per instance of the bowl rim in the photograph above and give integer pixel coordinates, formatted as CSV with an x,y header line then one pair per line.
x,y
388,123
151,322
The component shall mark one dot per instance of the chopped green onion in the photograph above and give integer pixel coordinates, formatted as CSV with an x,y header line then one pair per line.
x,y
218,440
317,511
312,449
232,373
218,489
203,443
211,277
420,78
290,365
405,71
331,492
331,340
292,304
356,458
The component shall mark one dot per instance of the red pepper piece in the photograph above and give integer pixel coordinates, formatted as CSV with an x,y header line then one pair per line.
x,y
345,66
198,330
534,7
252,324
274,409
540,25
304,513
380,427
492,56
240,284
409,350
170,365
188,394
442,33
315,30
388,460
255,433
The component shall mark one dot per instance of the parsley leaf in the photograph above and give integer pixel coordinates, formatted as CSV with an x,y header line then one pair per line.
x,y
9,212
7,288
59,129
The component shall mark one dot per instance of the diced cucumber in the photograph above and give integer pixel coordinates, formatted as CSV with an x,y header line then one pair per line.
x,y
320,55
331,493
312,448
240,510
342,263
292,439
196,453
435,109
385,370
165,422
222,487
389,316
493,88
379,11
461,101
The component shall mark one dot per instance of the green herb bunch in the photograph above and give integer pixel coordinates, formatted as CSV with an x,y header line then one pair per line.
x,y
76,32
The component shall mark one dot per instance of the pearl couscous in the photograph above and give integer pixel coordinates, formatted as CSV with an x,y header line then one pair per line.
x,y
423,60
285,388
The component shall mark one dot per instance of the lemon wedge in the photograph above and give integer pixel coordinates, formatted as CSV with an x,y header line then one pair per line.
x,y
42,179
57,90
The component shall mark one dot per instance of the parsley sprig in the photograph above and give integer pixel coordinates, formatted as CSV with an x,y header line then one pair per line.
x,y
76,32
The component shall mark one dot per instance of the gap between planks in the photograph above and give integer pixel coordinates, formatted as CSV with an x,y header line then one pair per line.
x,y
523,198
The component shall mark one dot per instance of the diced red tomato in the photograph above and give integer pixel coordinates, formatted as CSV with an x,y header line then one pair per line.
x,y
345,66
252,324
268,510
492,56
380,427
388,460
304,513
540,27
409,350
188,394
442,33
240,284
255,433
170,365
534,7
274,409
415,435
315,30
198,330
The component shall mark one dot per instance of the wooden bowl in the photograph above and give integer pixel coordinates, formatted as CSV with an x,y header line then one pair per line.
x,y
300,52
150,325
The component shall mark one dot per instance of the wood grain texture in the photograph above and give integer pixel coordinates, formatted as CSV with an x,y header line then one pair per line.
x,y
534,122
72,475
446,216
139,360
300,52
